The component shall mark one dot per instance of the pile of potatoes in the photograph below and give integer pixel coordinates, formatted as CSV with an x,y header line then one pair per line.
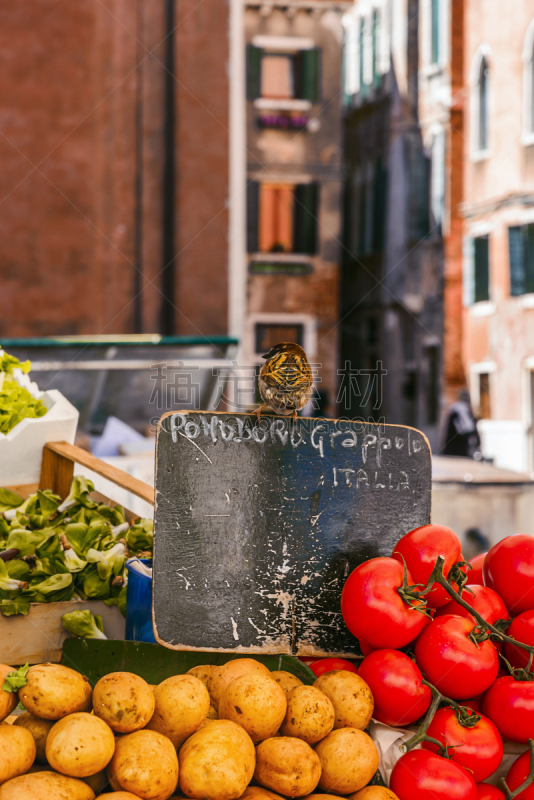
x,y
214,733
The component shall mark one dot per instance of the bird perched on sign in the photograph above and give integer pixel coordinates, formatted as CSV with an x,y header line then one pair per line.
x,y
285,380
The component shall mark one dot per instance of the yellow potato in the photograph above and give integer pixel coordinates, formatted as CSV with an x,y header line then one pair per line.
x,y
349,759
53,691
39,729
45,786
8,700
222,676
321,797
217,762
119,796
202,672
287,680
374,793
287,766
123,700
255,702
17,751
182,703
259,793
144,763
351,697
97,782
310,715
80,745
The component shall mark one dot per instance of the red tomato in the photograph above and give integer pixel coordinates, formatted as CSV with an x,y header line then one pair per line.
x,y
458,667
488,792
330,664
510,706
474,575
420,549
474,703
366,648
485,601
395,681
517,775
509,569
420,775
478,748
522,629
373,609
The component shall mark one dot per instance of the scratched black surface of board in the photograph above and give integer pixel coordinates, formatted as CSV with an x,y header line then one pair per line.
x,y
258,525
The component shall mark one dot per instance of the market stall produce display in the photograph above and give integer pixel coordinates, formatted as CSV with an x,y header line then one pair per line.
x,y
54,549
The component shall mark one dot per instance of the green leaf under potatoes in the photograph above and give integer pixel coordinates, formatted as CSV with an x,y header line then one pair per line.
x,y
16,680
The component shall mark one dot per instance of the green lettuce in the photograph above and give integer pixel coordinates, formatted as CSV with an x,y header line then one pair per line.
x,y
84,624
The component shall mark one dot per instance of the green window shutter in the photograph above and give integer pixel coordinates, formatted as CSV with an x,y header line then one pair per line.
x,y
253,197
481,268
377,78
529,257
364,87
306,211
434,9
468,271
308,69
254,55
516,256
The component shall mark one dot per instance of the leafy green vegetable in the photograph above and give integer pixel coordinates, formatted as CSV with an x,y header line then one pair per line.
x,y
74,553
16,680
16,404
84,624
9,500
8,363
79,493
141,536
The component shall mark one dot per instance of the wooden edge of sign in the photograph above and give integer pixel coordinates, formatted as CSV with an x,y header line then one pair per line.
x,y
57,471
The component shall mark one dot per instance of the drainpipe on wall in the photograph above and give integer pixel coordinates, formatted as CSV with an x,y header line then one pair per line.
x,y
237,259
169,259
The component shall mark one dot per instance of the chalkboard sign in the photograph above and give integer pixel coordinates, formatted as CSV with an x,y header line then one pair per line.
x,y
259,523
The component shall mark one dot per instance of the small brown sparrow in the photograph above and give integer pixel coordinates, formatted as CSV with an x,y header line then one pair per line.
x,y
285,380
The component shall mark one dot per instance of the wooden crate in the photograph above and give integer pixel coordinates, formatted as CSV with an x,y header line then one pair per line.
x,y
39,636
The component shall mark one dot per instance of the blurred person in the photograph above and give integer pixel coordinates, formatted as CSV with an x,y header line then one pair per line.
x,y
475,542
461,438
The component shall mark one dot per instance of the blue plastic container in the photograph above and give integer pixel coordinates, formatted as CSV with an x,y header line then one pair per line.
x,y
139,605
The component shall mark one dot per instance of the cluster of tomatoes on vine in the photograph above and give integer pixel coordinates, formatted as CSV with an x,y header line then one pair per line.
x,y
450,644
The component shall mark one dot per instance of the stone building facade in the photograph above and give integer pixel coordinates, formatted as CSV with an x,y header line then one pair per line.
x,y
498,209
294,181
392,279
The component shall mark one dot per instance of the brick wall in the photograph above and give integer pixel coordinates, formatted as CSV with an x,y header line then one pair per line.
x,y
81,158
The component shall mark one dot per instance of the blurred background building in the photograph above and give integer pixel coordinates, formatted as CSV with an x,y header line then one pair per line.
x,y
356,176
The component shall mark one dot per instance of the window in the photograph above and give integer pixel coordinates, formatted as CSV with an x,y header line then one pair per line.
x,y
282,218
377,77
437,176
283,75
364,85
266,335
434,31
528,85
521,255
481,268
484,404
482,91
277,76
